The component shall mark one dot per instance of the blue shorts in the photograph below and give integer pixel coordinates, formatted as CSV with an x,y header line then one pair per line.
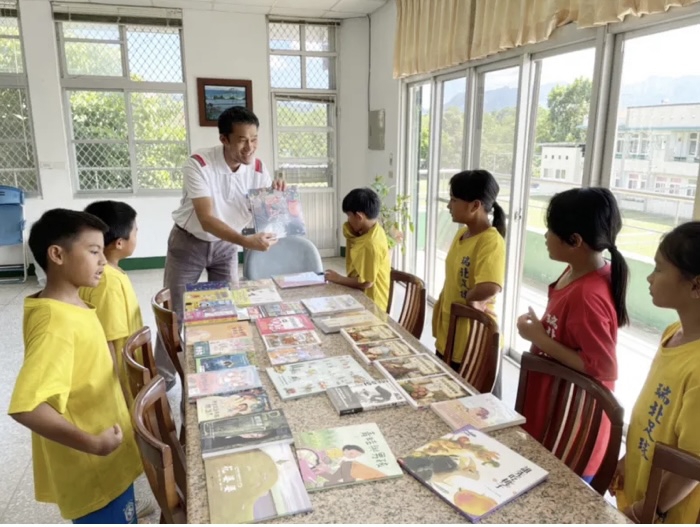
x,y
121,509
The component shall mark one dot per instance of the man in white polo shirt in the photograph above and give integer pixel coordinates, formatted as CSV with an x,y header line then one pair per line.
x,y
213,213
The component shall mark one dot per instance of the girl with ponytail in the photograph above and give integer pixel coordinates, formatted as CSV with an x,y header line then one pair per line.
x,y
475,264
586,304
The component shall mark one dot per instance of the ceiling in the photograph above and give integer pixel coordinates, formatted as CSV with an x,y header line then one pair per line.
x,y
293,8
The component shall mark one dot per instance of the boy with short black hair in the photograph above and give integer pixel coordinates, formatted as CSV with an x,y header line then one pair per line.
x,y
84,453
367,259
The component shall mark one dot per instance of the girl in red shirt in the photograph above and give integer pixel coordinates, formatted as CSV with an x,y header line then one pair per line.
x,y
586,304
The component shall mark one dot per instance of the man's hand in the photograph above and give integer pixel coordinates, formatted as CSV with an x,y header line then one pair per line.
x,y
108,441
279,184
261,241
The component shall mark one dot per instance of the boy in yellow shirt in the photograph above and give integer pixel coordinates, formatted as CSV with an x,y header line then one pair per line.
x,y
114,297
367,259
83,449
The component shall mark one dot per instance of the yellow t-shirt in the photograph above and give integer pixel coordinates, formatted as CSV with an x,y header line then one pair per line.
x,y
367,258
469,262
666,411
68,366
118,309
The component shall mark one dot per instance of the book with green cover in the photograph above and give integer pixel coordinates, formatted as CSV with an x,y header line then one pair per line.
x,y
221,362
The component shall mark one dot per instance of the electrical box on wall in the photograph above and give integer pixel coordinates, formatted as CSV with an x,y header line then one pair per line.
x,y
376,130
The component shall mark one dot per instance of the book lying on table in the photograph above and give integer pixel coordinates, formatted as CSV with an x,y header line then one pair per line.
x,y
327,305
221,362
283,309
244,432
207,306
362,397
222,382
295,339
409,366
484,411
290,355
472,471
241,403
344,456
217,331
299,280
423,391
334,323
255,486
316,376
385,349
357,335
262,283
249,313
224,347
287,324
277,212
255,297
206,286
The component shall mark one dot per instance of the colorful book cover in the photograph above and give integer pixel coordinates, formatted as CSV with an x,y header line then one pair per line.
x,y
222,382
221,362
283,309
357,335
255,486
327,305
484,411
346,455
409,367
218,331
299,280
244,432
240,298
386,349
291,355
334,323
206,286
206,306
241,403
277,212
268,326
362,397
472,471
260,296
316,376
423,391
249,313
291,340
223,347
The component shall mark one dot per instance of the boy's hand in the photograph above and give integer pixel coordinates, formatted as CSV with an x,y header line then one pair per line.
x,y
261,241
109,440
332,276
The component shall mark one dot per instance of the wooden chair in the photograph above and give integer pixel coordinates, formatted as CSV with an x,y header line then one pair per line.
x,y
667,459
481,360
140,367
576,406
161,453
412,316
168,329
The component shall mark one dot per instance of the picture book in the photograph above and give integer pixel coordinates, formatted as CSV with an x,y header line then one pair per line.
x,y
222,382
484,411
295,339
255,486
241,403
290,355
472,471
255,297
206,286
409,367
299,280
221,362
316,376
206,306
217,331
262,283
362,397
223,347
345,455
269,326
385,349
423,391
244,432
277,212
283,309
249,313
328,305
357,335
334,323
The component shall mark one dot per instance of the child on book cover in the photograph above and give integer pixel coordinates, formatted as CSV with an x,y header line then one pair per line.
x,y
367,258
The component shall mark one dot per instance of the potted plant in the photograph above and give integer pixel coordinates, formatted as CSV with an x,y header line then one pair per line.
x,y
393,218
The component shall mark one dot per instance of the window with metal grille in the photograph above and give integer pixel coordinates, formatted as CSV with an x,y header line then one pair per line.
x,y
18,167
125,102
303,61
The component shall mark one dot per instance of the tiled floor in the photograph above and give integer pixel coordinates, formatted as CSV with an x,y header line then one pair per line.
x,y
17,504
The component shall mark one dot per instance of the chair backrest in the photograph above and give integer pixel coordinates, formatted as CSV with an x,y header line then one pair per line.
x,y
292,254
481,360
139,361
576,407
11,224
412,317
667,459
166,322
161,453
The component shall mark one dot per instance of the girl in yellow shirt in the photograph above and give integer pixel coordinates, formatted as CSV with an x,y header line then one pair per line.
x,y
669,404
475,264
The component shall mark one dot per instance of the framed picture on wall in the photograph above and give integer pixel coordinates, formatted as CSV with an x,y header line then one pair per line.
x,y
216,95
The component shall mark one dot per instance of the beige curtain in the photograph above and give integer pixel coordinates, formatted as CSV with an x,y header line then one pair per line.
x,y
437,34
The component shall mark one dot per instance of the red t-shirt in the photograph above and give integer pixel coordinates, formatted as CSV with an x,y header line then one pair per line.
x,y
581,316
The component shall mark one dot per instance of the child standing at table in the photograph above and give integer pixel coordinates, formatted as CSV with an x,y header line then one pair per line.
x,y
586,304
668,406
